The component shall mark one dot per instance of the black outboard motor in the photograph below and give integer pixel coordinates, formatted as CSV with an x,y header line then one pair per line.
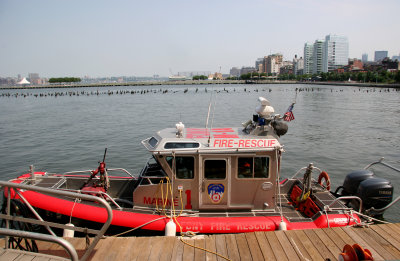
x,y
374,192
353,179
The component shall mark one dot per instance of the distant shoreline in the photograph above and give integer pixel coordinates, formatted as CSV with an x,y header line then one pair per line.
x,y
197,82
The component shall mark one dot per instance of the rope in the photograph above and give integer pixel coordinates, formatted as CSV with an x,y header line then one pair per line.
x,y
72,209
133,229
279,187
370,219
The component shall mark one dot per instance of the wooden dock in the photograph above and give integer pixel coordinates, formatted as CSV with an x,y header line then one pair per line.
x,y
317,244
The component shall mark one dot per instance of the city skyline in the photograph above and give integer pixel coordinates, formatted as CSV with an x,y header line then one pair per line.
x,y
71,38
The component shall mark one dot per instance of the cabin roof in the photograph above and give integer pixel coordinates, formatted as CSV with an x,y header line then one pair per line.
x,y
210,140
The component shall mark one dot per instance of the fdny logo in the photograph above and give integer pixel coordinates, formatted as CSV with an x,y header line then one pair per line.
x,y
215,192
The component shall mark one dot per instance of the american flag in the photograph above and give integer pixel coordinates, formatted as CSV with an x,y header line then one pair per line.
x,y
288,116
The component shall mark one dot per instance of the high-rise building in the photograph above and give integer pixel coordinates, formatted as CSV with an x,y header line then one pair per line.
x,y
246,70
318,53
396,57
335,52
272,63
364,58
380,55
234,71
308,58
298,65
260,65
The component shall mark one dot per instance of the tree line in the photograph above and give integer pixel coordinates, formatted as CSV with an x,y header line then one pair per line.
x,y
382,76
64,79
200,77
369,77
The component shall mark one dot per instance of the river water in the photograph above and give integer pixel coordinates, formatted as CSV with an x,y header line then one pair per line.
x,y
339,129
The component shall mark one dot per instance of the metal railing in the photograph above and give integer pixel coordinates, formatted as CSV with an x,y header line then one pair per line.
x,y
339,199
90,171
382,163
305,168
42,237
99,233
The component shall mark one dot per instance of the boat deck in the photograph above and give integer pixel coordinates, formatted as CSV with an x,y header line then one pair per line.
x,y
317,244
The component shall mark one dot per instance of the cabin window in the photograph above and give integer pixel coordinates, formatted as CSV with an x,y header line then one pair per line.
x,y
181,145
215,169
153,142
253,167
184,166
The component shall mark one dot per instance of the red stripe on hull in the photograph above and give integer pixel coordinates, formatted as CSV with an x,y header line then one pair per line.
x,y
195,224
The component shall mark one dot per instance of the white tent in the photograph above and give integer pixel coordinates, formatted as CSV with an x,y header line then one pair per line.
x,y
23,81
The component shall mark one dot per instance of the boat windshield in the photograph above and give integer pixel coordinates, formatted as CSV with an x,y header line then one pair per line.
x,y
153,169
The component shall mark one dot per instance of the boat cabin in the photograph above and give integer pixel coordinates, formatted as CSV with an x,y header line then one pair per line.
x,y
212,169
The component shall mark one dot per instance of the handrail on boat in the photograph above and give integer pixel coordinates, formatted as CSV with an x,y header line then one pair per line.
x,y
304,168
90,171
383,163
328,207
100,193
100,200
43,237
374,211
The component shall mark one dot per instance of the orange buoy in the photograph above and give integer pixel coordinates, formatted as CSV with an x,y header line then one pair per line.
x,y
324,175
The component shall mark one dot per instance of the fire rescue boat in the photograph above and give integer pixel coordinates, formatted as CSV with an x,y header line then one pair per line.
x,y
213,180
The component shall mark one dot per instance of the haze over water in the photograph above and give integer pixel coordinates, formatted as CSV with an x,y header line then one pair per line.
x,y
339,129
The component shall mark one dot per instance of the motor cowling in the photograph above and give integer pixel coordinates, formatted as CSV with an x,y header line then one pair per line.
x,y
353,180
375,192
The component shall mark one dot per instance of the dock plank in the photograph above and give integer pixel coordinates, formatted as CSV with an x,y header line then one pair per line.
x,y
336,239
254,247
168,247
266,249
298,245
188,250
393,238
231,246
243,247
359,240
157,245
343,235
125,249
210,245
385,248
199,252
287,246
392,229
333,248
114,244
101,249
177,252
308,245
318,244
322,249
144,252
279,253
220,246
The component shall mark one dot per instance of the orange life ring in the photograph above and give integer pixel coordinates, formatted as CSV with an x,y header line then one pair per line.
x,y
324,175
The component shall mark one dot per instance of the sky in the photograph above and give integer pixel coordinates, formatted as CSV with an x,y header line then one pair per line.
x,y
99,38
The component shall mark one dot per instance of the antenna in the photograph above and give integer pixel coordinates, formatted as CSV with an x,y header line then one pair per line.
x,y
209,108
215,105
